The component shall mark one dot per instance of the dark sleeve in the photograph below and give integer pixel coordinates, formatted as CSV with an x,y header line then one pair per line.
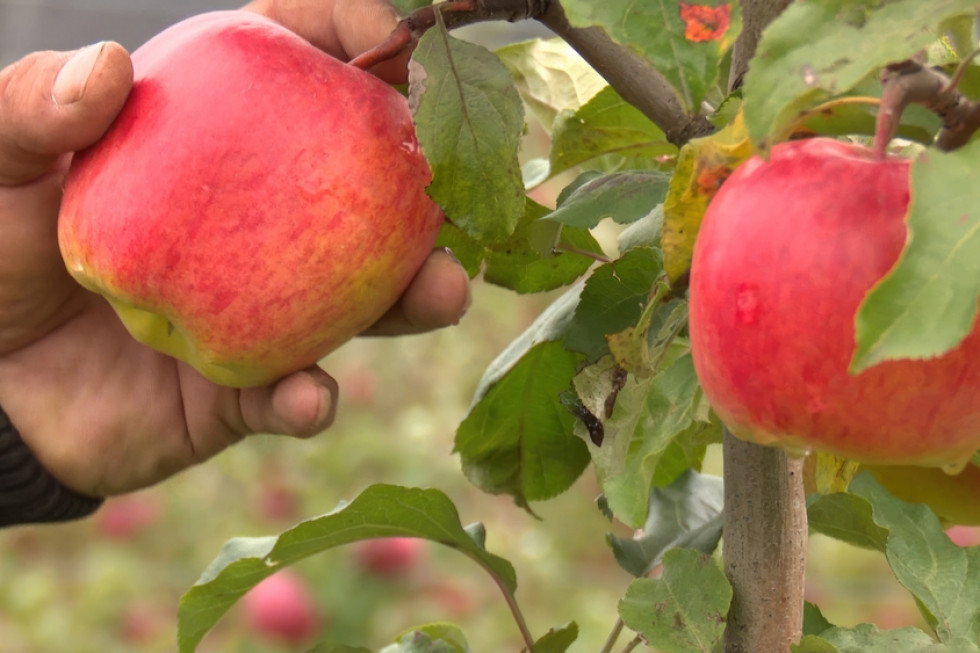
x,y
28,493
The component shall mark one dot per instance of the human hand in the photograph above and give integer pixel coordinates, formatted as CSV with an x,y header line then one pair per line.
x,y
102,413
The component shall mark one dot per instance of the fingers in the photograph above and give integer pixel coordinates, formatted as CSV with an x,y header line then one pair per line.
x,y
52,103
362,25
301,405
438,296
342,28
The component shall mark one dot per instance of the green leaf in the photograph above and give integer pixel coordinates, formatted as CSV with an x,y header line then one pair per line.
x,y
531,260
683,610
606,124
667,422
927,304
685,514
541,255
656,421
645,232
557,640
623,196
814,622
431,638
684,41
469,119
408,6
379,511
703,165
613,299
550,76
823,48
518,438
813,644
338,648
866,638
944,578
552,324
846,517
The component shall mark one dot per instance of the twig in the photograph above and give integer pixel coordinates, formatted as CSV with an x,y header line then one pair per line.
x,y
910,82
454,13
632,644
756,14
634,78
613,636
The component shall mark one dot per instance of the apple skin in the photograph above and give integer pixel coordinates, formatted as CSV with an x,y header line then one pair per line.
x,y
256,203
281,608
954,498
787,250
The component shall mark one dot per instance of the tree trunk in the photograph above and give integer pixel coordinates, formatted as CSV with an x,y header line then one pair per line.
x,y
765,536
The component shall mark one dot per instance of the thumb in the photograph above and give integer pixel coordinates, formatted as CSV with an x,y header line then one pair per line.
x,y
52,103
302,404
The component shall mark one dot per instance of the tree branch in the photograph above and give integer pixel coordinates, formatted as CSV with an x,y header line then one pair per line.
x,y
635,79
756,14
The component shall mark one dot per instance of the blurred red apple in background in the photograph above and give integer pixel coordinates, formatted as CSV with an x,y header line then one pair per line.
x,y
281,608
964,535
389,557
787,251
255,204
125,517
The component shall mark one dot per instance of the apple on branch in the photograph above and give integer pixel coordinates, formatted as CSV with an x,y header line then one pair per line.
x,y
787,251
256,203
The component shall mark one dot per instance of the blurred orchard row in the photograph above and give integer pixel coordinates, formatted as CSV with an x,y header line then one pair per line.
x,y
112,583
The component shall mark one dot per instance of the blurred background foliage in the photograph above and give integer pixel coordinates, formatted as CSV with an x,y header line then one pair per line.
x,y
112,583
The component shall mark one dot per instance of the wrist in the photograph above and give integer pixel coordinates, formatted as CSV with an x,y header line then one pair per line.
x,y
28,492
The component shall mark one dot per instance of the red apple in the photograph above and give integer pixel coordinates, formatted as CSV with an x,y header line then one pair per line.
x,y
256,203
964,536
787,251
281,608
125,517
390,557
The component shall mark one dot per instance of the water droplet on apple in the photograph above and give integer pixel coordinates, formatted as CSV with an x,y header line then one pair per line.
x,y
955,468
747,304
410,146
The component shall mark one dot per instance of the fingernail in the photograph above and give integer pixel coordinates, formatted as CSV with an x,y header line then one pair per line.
x,y
69,85
452,254
328,407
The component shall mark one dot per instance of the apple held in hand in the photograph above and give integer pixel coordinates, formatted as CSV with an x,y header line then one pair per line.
x,y
256,204
787,251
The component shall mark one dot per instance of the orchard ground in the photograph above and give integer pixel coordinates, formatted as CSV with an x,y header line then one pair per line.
x,y
401,402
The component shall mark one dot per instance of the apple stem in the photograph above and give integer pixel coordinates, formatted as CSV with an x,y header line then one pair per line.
x,y
909,82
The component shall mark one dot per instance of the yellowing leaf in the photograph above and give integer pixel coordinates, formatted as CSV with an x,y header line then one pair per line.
x,y
702,166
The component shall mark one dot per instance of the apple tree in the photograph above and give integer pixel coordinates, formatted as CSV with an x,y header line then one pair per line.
x,y
649,107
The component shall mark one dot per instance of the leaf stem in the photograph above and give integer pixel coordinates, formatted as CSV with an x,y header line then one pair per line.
x,y
632,644
515,610
613,636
